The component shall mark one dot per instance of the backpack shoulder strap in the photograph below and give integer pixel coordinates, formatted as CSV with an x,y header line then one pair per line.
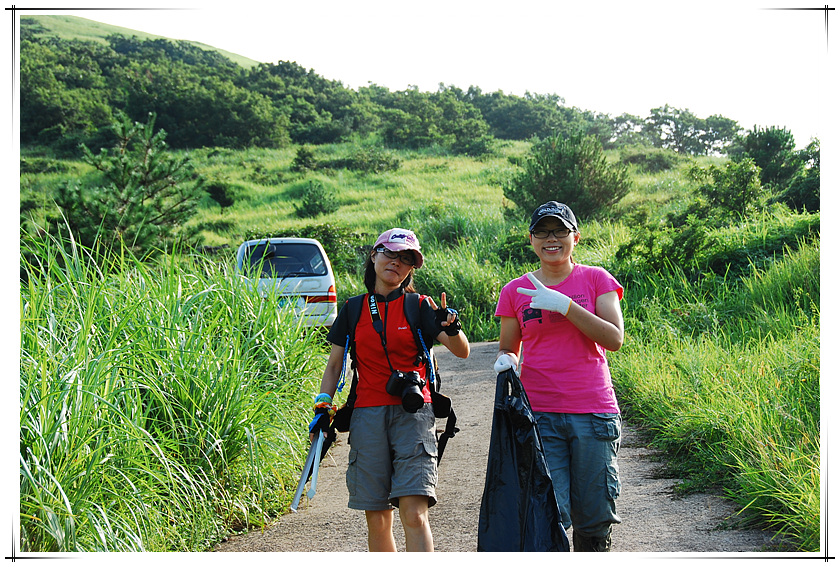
x,y
424,346
354,312
424,341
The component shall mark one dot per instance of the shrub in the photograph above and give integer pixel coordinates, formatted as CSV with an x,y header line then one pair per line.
x,y
735,188
367,159
772,150
318,199
146,196
572,170
651,160
304,159
224,193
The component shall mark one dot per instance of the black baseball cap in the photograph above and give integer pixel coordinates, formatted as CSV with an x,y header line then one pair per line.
x,y
557,210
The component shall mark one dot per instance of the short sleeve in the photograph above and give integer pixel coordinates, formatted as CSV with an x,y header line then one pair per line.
x,y
340,327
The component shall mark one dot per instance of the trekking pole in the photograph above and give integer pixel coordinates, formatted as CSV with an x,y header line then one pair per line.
x,y
311,460
316,464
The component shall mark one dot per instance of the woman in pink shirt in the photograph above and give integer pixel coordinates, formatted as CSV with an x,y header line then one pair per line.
x,y
556,325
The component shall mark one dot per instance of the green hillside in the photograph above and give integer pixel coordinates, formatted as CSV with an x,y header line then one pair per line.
x,y
163,403
73,27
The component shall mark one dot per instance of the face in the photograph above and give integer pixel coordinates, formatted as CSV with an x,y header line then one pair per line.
x,y
553,248
392,271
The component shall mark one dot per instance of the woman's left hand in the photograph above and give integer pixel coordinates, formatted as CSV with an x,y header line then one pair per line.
x,y
446,318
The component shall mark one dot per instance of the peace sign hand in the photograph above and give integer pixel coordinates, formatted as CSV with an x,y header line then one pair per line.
x,y
544,298
445,317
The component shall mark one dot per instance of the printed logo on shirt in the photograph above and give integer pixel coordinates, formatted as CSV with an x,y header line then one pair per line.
x,y
402,328
528,314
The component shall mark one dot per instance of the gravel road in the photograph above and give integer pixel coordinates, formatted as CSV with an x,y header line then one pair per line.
x,y
653,519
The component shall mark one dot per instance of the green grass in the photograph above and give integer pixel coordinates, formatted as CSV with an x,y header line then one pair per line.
x,y
161,406
727,379
721,366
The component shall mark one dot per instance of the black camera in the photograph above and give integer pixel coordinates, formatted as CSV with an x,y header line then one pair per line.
x,y
408,386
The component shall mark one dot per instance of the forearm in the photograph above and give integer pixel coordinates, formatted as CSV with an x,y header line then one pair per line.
x,y
457,344
607,334
332,372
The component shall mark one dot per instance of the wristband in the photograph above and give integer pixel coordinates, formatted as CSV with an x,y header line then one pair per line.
x,y
441,315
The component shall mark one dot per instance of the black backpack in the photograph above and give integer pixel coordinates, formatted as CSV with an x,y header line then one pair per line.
x,y
441,404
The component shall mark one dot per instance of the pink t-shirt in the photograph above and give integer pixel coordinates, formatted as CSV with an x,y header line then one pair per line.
x,y
562,370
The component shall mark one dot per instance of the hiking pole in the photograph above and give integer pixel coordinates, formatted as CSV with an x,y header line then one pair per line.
x,y
314,451
316,464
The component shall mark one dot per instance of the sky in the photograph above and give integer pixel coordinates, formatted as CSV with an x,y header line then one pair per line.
x,y
737,59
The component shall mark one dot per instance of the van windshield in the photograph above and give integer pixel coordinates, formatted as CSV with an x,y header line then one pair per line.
x,y
285,260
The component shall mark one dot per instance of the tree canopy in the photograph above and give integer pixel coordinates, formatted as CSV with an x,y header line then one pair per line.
x,y
72,89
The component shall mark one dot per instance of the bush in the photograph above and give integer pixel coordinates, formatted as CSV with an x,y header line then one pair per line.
x,y
651,160
318,199
735,188
146,197
224,193
572,170
772,150
367,159
304,159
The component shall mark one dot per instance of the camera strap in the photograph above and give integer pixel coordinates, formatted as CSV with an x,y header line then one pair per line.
x,y
378,326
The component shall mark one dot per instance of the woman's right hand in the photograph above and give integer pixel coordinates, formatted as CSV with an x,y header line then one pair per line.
x,y
505,361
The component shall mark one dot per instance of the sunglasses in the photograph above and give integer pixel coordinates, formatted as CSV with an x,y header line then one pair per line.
x,y
405,258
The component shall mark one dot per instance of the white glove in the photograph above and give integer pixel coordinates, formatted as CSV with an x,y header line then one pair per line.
x,y
504,362
544,298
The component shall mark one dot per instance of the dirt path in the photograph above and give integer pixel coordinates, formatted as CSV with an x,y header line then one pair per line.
x,y
652,519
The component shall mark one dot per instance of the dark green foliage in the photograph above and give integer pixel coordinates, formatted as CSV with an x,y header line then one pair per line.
x,y
774,151
318,199
145,196
70,89
367,159
651,160
42,165
512,117
708,243
735,187
515,247
803,193
679,129
223,192
304,159
571,170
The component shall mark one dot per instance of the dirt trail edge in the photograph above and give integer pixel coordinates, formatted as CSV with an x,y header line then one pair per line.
x,y
653,520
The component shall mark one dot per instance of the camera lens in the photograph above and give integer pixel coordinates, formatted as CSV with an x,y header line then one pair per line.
x,y
412,399
412,396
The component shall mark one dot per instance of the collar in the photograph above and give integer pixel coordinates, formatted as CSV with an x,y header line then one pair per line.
x,y
396,294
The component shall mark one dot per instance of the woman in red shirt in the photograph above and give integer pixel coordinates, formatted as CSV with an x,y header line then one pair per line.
x,y
393,450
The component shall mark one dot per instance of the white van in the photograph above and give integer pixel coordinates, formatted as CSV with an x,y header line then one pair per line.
x,y
299,270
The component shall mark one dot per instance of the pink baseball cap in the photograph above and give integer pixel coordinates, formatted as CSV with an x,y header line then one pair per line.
x,y
398,239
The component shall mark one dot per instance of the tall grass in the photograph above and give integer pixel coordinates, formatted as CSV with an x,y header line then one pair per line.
x,y
161,406
154,393
725,376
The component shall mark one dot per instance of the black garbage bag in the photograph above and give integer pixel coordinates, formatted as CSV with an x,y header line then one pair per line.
x,y
518,508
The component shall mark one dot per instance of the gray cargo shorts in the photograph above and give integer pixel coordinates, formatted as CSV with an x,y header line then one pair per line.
x,y
393,454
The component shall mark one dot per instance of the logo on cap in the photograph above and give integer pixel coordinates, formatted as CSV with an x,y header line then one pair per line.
x,y
551,209
407,238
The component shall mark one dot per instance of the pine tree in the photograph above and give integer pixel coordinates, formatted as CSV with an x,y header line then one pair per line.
x,y
145,198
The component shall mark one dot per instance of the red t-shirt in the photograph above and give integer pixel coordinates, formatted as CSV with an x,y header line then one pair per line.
x,y
372,365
